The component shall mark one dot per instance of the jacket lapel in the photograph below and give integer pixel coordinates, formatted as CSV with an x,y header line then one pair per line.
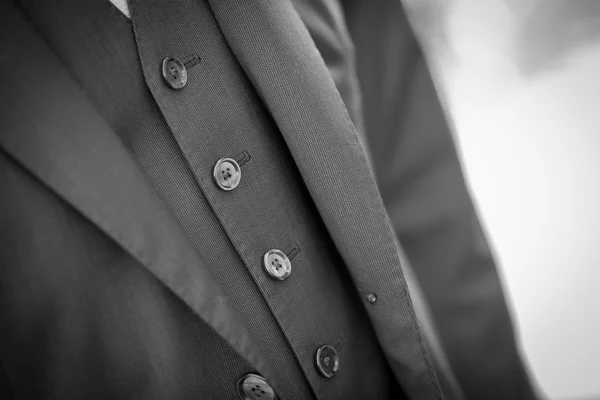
x,y
277,53
50,127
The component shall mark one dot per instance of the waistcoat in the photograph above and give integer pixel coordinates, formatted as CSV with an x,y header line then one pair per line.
x,y
177,136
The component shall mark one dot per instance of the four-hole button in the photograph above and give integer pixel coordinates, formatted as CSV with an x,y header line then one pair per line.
x,y
327,361
277,264
174,73
227,174
254,387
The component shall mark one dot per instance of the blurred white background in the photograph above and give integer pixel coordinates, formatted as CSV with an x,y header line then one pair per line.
x,y
521,81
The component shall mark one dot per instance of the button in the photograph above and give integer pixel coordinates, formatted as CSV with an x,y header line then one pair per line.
x,y
254,387
327,360
277,264
227,173
372,298
174,72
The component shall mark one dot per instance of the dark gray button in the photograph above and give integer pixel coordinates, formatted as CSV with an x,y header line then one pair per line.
x,y
277,264
174,72
227,173
327,361
254,387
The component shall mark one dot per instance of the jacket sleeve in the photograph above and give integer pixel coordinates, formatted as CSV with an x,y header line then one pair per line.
x,y
422,185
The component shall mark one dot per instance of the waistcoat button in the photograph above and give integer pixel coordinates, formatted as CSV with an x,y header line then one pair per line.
x,y
227,173
254,387
327,361
277,264
174,72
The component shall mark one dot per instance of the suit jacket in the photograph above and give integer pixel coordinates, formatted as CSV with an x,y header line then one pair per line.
x,y
102,294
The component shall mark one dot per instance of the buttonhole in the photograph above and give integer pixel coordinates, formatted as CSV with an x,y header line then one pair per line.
x,y
243,158
292,252
339,344
191,60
